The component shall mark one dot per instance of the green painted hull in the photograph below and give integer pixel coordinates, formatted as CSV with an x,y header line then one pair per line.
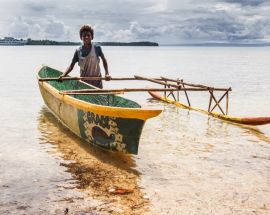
x,y
110,131
114,134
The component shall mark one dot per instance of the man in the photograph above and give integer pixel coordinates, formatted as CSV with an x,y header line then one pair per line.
x,y
88,57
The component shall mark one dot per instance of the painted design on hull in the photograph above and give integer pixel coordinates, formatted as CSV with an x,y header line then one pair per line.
x,y
110,133
101,136
102,131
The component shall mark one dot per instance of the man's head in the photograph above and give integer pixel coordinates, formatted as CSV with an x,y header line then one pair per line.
x,y
86,30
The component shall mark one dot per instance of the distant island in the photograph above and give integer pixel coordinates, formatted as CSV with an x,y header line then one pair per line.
x,y
127,44
55,43
50,43
219,44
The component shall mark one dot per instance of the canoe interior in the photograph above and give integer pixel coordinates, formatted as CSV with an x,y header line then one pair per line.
x,y
105,100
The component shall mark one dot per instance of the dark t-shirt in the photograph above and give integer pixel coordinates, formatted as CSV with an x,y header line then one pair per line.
x,y
85,51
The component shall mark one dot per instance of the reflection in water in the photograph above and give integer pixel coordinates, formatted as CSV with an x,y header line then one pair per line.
x,y
53,130
224,126
215,125
97,172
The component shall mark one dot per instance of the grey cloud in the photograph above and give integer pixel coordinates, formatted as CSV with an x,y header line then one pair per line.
x,y
172,21
218,29
38,7
247,2
49,28
133,32
144,32
222,22
19,28
55,28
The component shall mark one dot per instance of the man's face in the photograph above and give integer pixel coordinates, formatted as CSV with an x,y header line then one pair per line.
x,y
86,37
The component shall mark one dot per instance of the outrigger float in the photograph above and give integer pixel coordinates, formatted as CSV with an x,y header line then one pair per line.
x,y
105,119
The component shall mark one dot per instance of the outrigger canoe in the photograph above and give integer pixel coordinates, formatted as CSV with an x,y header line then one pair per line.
x,y
109,121
240,120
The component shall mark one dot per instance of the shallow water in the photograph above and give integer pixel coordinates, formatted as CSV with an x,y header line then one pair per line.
x,y
188,163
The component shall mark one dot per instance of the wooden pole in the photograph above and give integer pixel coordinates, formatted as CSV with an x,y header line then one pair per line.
x,y
171,93
227,102
165,86
196,85
220,100
92,79
89,91
186,94
193,85
178,83
210,102
156,81
211,92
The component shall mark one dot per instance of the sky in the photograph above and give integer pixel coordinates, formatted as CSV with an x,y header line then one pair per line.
x,y
162,21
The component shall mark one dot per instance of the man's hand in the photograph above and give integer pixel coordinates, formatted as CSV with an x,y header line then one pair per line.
x,y
108,77
60,79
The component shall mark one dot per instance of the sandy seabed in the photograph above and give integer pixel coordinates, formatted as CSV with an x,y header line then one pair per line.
x,y
210,168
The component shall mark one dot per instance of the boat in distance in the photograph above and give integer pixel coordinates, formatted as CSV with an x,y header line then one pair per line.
x,y
10,41
106,120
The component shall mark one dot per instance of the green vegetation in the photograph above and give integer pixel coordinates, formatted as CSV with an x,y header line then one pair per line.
x,y
50,43
127,44
55,43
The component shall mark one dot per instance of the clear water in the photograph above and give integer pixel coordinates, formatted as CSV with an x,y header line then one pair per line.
x,y
188,163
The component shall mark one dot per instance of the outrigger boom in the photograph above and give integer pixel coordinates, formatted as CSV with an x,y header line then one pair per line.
x,y
170,86
123,90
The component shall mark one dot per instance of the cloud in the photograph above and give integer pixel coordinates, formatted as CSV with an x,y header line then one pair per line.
x,y
247,2
56,29
19,28
47,28
223,25
134,31
163,21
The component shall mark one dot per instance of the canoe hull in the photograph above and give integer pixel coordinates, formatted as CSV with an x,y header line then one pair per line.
x,y
111,128
109,133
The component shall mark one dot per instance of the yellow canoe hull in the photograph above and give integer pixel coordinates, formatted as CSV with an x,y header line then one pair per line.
x,y
110,122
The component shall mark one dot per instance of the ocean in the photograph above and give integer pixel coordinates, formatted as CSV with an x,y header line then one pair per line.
x,y
188,163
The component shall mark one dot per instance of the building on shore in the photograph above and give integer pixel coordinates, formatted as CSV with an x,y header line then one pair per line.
x,y
10,41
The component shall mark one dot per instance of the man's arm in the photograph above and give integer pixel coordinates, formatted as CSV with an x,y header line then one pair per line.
x,y
68,70
105,65
71,66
